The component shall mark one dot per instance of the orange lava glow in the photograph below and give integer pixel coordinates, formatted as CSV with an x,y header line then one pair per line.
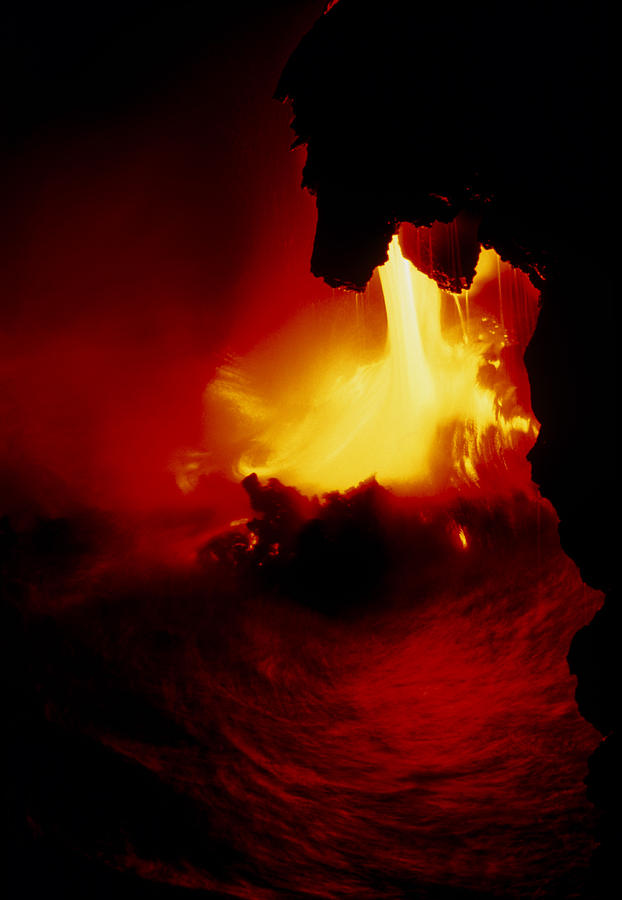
x,y
433,407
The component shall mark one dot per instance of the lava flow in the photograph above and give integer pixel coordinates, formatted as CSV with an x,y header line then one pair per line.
x,y
435,406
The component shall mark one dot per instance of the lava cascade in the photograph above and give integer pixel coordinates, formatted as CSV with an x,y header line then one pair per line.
x,y
435,405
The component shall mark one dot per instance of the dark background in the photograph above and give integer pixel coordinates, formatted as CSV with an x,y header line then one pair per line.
x,y
149,197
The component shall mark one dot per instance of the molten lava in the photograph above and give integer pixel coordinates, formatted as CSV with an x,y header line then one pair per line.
x,y
436,406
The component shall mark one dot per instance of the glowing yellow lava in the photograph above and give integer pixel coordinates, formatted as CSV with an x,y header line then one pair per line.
x,y
419,418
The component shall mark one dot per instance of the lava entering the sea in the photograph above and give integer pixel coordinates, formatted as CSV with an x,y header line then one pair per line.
x,y
327,659
403,606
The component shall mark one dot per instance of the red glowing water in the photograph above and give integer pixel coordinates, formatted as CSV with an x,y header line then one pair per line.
x,y
429,740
